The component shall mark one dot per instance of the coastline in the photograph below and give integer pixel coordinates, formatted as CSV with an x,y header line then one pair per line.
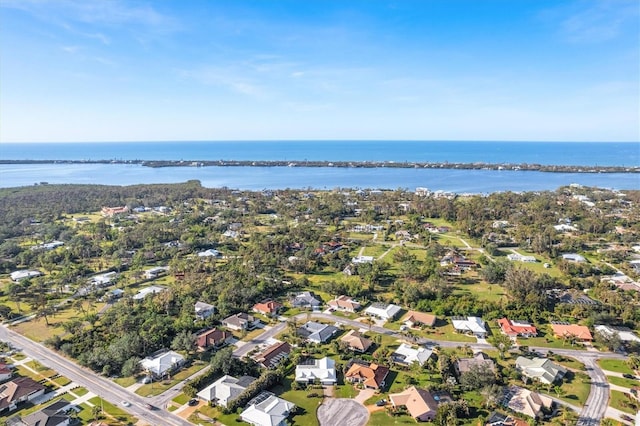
x,y
347,164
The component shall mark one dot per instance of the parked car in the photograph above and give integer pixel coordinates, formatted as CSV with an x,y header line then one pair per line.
x,y
381,403
193,402
628,376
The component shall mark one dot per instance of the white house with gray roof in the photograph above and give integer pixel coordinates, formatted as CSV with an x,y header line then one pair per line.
x,y
266,409
383,311
541,369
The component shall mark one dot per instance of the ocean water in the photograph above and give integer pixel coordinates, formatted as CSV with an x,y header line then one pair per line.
x,y
557,153
257,178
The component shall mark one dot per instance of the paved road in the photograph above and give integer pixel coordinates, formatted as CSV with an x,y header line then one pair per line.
x,y
91,381
259,340
598,400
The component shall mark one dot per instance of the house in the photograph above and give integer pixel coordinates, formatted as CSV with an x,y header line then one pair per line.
x,y
625,334
322,370
204,310
210,253
53,415
563,330
154,273
499,419
573,257
407,355
418,402
382,311
19,390
563,227
268,307
362,259
241,321
142,294
316,332
415,318
48,246
103,280
470,325
225,389
344,303
356,342
213,338
371,375
273,355
266,409
524,401
306,299
162,363
24,274
517,257
116,293
5,372
479,360
112,211
541,369
514,329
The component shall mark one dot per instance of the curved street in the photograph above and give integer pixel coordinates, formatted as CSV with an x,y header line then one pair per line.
x,y
591,415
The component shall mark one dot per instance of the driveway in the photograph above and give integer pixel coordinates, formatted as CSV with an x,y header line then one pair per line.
x,y
342,412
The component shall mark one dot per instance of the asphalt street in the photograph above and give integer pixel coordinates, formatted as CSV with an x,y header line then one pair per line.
x,y
96,384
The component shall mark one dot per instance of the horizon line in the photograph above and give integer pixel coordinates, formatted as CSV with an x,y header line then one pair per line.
x,y
315,140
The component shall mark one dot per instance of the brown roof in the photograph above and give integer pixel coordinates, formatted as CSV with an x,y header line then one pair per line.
x,y
479,359
420,317
17,389
417,401
356,341
565,330
271,356
344,302
267,307
372,375
212,337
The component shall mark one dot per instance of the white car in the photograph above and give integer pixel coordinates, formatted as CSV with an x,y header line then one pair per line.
x,y
126,403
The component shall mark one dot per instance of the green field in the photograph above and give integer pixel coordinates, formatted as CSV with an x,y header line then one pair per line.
x,y
621,402
615,365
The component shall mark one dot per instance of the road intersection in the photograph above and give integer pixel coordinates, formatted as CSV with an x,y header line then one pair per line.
x,y
591,414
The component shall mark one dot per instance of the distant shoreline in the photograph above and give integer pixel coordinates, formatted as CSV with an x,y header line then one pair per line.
x,y
347,164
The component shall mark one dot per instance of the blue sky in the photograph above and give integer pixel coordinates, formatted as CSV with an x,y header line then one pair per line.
x,y
90,70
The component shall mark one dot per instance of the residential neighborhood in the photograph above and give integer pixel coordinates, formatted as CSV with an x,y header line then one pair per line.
x,y
428,324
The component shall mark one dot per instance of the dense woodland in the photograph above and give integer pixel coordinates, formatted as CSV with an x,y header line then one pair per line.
x,y
283,246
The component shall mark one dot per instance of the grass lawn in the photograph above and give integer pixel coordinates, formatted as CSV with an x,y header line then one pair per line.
x,y
125,382
482,290
616,365
571,363
37,329
62,381
621,381
85,413
308,406
446,332
157,388
346,391
214,413
80,391
181,399
250,335
122,417
381,418
575,389
549,342
621,402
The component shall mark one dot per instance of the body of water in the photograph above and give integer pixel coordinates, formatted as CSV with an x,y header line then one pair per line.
x,y
556,153
257,178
